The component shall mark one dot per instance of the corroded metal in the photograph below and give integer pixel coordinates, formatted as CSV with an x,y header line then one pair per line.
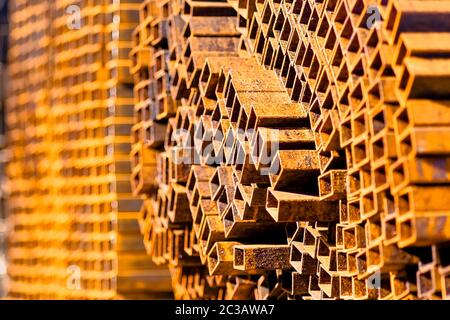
x,y
282,149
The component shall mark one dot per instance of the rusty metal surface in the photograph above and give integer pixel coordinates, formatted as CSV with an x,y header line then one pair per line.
x,y
74,220
3,151
268,149
357,184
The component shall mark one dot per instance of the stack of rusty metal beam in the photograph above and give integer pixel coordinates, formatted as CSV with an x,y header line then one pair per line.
x,y
3,152
82,149
30,266
137,276
74,224
291,149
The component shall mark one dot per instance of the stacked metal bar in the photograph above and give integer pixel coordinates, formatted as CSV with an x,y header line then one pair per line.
x,y
3,153
284,149
75,233
137,276
35,256
291,149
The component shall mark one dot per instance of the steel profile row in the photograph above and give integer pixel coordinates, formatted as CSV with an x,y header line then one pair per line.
x,y
74,219
304,153
3,153
265,149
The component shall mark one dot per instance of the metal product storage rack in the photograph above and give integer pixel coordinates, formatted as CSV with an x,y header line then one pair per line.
x,y
86,237
352,203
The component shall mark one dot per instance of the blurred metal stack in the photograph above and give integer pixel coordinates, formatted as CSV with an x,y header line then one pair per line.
x,y
87,243
138,276
35,255
294,149
3,152
280,149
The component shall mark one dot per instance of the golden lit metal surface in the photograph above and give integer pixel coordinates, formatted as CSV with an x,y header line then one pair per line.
x,y
75,233
265,149
355,188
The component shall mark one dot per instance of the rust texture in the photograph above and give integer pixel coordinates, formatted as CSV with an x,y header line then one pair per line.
x,y
269,149
74,220
353,198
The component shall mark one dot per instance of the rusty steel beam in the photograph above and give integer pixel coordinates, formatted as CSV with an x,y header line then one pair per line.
x,y
428,280
238,228
333,185
269,286
410,171
287,206
244,167
246,210
266,137
295,283
256,258
205,208
241,289
421,113
220,259
416,72
403,16
294,165
268,140
416,210
212,230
